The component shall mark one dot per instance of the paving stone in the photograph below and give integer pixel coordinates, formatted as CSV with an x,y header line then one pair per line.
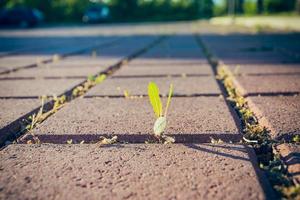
x,y
275,69
244,59
154,171
138,62
138,86
164,70
47,71
85,61
182,47
254,85
249,49
11,110
190,120
280,114
11,62
290,154
36,87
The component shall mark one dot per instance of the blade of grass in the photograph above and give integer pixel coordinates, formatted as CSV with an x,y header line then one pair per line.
x,y
169,99
153,93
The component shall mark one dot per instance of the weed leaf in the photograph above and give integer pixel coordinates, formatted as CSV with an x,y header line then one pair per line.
x,y
153,93
169,99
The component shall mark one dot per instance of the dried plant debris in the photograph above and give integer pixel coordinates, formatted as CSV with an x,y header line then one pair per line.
x,y
253,132
107,141
161,118
216,141
258,137
91,81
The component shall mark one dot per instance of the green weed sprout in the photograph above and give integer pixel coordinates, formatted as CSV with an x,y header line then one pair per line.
x,y
161,119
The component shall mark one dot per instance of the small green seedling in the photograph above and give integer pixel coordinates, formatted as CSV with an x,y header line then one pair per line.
x,y
296,138
161,119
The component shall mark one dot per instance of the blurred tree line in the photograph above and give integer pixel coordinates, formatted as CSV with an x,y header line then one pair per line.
x,y
251,7
121,10
155,10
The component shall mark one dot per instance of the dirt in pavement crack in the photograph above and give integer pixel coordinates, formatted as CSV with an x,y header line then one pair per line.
x,y
253,133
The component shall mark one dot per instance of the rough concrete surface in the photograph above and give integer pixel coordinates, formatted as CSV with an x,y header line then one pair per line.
x,y
85,61
166,61
11,62
258,69
138,86
36,87
12,109
189,120
180,70
280,114
154,171
255,85
47,71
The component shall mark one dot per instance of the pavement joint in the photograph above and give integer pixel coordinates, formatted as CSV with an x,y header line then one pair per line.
x,y
213,61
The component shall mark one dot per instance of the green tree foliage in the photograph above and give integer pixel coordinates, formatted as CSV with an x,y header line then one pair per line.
x,y
122,10
273,6
157,10
298,6
54,10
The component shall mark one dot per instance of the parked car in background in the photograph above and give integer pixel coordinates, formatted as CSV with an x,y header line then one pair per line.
x,y
21,17
96,14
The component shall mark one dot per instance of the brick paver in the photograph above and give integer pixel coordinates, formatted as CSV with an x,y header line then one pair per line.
x,y
154,171
280,114
166,61
11,110
36,87
8,63
160,69
49,71
265,70
255,85
138,86
132,120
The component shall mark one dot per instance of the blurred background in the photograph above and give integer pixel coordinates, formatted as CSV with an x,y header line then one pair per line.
x,y
29,13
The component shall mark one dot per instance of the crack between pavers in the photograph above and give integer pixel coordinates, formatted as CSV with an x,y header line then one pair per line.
x,y
61,57
258,136
68,96
213,65
196,138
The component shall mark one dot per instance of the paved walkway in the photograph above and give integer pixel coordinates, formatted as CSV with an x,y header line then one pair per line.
x,y
208,160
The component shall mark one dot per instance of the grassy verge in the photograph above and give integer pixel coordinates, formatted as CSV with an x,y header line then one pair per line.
x,y
282,23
